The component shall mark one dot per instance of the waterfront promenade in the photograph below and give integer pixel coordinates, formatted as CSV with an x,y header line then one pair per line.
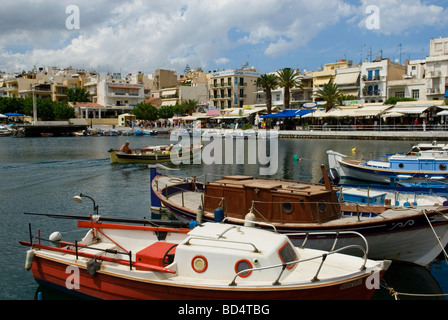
x,y
412,135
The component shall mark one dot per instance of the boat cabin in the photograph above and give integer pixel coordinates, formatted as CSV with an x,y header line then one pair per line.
x,y
221,251
279,201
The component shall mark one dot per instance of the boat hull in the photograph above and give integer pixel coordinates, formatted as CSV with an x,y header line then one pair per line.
x,y
357,170
109,286
117,157
404,238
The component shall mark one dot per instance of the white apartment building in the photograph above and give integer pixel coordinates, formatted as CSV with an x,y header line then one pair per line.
x,y
375,76
413,84
437,69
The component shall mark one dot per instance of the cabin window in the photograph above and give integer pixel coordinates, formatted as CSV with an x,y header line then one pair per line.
x,y
287,254
322,207
199,264
288,208
442,166
243,265
401,165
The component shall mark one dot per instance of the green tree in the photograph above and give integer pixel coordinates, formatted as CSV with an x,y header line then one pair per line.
x,y
166,112
330,93
190,106
288,79
268,82
179,109
394,100
45,109
78,95
63,111
145,111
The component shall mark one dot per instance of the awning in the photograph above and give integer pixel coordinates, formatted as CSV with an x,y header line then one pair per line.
x,y
284,114
12,114
347,78
169,103
408,110
446,94
3,116
169,93
321,81
371,111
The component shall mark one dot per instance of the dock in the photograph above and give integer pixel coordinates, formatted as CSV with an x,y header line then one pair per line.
x,y
367,135
50,128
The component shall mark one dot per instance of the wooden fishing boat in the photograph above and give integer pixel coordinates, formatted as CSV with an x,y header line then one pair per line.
x,y
211,261
156,154
415,234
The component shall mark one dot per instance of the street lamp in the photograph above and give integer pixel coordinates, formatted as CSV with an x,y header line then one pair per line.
x,y
78,199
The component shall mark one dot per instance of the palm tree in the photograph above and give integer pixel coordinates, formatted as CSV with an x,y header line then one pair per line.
x,y
190,106
288,79
330,93
268,82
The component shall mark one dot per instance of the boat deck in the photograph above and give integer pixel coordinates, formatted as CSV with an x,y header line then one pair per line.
x,y
192,200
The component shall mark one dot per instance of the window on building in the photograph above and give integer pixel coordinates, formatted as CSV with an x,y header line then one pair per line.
x,y
399,94
416,94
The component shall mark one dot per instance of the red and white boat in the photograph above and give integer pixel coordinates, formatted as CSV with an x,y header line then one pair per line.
x,y
211,261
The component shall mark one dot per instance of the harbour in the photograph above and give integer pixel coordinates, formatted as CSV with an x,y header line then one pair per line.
x,y
43,175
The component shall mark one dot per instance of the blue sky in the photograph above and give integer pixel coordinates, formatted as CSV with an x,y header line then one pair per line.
x,y
135,35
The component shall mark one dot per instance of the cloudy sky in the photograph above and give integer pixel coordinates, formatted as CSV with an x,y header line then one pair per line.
x,y
143,35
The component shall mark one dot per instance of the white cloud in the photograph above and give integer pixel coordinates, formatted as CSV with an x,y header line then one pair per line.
x,y
398,17
145,35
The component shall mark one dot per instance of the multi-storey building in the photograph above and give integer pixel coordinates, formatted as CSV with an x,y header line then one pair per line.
x,y
348,80
118,96
413,83
233,88
375,76
327,74
437,69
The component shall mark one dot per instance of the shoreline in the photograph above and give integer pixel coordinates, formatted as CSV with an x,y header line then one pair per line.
x,y
348,135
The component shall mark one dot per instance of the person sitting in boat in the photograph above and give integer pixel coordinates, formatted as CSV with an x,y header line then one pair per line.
x,y
125,148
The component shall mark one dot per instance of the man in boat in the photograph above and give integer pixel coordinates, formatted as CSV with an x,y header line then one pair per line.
x,y
125,148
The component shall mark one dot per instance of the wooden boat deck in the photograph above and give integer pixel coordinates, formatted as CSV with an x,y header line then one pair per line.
x,y
191,200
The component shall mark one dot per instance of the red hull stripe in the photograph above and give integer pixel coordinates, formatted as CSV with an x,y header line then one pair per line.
x,y
100,225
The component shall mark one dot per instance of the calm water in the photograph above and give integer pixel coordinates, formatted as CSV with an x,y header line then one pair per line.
x,y
43,174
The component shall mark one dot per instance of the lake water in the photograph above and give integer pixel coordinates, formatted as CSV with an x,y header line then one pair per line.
x,y
43,174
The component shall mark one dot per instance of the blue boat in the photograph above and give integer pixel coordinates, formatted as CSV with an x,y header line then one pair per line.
x,y
422,165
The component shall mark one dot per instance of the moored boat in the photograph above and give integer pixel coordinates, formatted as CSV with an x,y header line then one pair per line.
x,y
293,206
155,154
212,261
421,165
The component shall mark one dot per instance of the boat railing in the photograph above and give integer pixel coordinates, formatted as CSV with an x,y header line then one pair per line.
x,y
336,234
220,239
322,257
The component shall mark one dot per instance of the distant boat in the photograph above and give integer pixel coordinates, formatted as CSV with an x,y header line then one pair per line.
x,y
418,166
294,206
155,154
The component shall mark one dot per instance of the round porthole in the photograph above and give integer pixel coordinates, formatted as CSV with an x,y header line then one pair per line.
x,y
199,264
442,166
243,265
287,207
401,165
322,206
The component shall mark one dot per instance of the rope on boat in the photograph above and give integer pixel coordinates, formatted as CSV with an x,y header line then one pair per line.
x,y
396,294
437,237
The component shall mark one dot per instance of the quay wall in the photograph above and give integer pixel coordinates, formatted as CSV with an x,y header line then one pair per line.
x,y
367,135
